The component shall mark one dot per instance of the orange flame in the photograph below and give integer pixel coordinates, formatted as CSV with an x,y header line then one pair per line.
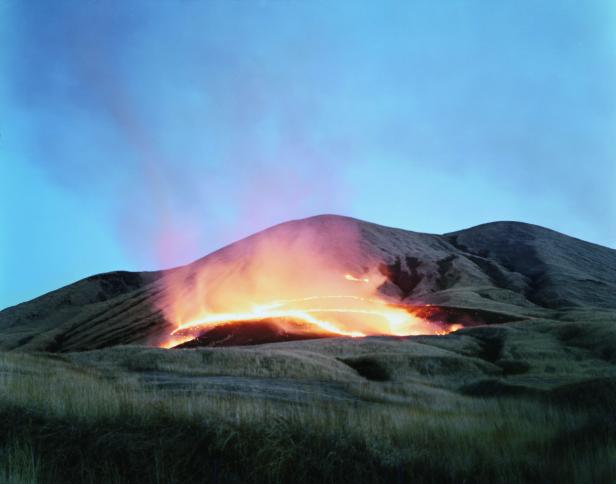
x,y
292,277
350,277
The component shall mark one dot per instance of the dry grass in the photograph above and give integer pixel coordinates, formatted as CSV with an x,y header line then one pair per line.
x,y
70,422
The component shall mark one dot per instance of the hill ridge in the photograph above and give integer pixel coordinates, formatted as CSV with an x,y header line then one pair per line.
x,y
507,268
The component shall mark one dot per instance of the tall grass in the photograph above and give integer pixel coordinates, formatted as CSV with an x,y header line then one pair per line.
x,y
62,422
19,464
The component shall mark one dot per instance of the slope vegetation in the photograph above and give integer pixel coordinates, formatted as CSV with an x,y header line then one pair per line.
x,y
492,273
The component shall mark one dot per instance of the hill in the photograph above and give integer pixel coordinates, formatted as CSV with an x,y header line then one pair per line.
x,y
491,273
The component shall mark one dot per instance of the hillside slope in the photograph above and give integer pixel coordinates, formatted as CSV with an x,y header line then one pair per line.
x,y
495,272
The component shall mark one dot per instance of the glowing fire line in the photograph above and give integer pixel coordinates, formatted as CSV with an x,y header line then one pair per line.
x,y
400,321
298,315
350,277
394,316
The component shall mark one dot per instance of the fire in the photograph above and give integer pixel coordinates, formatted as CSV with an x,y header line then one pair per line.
x,y
350,277
375,314
175,340
330,314
296,281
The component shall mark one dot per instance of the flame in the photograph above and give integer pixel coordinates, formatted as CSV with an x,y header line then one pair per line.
x,y
176,340
350,277
399,322
296,279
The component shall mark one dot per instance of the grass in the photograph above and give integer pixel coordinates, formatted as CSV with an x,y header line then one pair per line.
x,y
89,417
19,464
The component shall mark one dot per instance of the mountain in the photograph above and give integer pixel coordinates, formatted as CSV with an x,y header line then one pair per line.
x,y
492,273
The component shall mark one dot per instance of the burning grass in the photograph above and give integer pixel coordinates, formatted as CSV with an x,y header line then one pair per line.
x,y
305,318
296,279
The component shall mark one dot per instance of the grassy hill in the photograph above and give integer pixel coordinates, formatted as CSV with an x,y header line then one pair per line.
x,y
525,393
491,273
530,401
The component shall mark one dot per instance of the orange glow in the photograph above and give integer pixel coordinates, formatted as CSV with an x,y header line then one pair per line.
x,y
341,315
449,328
350,277
295,280
176,340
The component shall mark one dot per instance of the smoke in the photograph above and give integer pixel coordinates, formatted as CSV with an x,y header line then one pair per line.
x,y
308,275
183,141
289,261
184,125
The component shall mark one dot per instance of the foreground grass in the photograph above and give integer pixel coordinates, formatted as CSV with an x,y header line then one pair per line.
x,y
61,422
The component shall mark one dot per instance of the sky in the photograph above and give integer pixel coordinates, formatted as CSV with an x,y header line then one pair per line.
x,y
143,135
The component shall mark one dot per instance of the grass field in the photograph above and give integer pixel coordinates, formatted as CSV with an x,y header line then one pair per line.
x,y
518,403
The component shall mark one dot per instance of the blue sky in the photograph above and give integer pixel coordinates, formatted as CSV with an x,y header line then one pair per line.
x,y
139,135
